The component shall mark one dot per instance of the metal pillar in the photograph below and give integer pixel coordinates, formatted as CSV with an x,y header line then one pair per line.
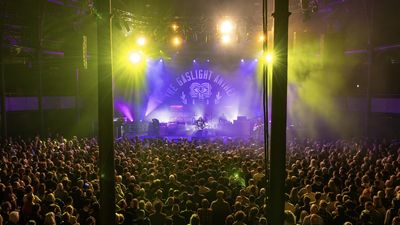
x,y
105,95
279,111
265,98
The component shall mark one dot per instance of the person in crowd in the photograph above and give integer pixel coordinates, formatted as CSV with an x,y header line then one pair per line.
x,y
240,217
142,219
392,211
340,216
205,213
396,220
229,220
288,205
176,217
253,218
324,213
194,220
45,180
262,221
289,218
158,217
313,217
188,211
220,208
13,218
50,219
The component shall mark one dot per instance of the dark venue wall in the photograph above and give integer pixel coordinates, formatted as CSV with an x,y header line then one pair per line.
x,y
328,60
341,43
43,63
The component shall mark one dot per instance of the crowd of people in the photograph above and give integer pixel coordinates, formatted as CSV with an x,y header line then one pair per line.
x,y
158,182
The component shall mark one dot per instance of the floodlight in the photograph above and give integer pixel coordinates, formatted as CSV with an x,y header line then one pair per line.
x,y
141,41
135,57
226,39
269,58
226,27
176,41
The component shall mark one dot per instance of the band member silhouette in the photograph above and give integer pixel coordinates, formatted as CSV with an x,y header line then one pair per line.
x,y
200,123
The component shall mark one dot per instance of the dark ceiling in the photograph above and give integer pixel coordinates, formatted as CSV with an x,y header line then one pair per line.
x,y
205,8
351,17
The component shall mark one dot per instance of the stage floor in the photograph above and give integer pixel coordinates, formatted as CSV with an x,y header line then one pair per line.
x,y
206,134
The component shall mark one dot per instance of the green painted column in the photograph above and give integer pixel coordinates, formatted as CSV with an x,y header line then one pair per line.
x,y
106,108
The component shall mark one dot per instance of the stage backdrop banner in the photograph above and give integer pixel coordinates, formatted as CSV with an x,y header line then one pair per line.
x,y
199,86
176,93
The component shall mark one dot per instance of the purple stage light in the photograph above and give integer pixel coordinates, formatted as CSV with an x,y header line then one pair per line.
x,y
220,92
56,2
54,53
358,51
176,106
387,47
124,109
163,114
152,104
21,103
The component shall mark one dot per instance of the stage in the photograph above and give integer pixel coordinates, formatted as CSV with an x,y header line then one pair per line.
x,y
242,128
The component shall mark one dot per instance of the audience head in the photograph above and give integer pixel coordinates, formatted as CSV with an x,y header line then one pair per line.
x,y
289,218
194,220
54,181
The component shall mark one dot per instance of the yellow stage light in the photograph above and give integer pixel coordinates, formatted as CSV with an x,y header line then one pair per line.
x,y
261,38
135,57
175,27
176,41
226,27
226,39
141,41
269,58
